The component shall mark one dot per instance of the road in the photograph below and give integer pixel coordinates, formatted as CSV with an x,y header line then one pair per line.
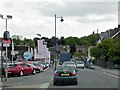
x,y
87,78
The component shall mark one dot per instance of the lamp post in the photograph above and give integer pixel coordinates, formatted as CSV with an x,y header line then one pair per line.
x,y
55,61
6,18
39,35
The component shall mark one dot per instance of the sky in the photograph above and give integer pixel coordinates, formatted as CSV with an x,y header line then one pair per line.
x,y
81,17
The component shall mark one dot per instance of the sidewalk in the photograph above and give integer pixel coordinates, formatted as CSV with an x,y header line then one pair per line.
x,y
110,71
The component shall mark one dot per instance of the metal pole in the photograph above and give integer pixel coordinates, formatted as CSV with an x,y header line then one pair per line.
x,y
6,24
6,73
55,41
1,63
12,51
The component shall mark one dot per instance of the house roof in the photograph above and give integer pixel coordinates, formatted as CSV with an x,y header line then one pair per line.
x,y
115,34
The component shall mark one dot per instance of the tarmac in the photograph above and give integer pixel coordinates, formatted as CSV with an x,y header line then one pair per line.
x,y
115,72
98,68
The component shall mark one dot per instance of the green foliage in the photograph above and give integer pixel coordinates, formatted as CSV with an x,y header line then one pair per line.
x,y
107,50
61,41
95,52
72,41
114,51
89,40
79,54
18,41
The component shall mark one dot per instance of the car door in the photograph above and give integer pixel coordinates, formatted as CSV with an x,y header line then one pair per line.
x,y
28,69
25,68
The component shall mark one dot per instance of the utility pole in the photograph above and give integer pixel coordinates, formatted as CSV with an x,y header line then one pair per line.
x,y
55,59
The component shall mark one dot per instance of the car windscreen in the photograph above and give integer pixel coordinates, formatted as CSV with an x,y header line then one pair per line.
x,y
12,65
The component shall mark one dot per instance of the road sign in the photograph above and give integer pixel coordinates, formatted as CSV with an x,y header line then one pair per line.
x,y
6,45
6,41
27,55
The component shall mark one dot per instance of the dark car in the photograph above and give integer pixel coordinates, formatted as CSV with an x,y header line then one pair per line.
x,y
65,74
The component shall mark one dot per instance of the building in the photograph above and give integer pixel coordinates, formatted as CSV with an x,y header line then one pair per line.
x,y
111,33
81,48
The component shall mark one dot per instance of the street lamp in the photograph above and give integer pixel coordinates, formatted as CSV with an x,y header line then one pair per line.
x,y
7,35
55,61
6,18
39,35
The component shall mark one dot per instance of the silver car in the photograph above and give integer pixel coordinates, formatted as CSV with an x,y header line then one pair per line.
x,y
80,64
69,63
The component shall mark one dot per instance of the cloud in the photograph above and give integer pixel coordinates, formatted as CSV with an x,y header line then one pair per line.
x,y
93,18
30,18
78,8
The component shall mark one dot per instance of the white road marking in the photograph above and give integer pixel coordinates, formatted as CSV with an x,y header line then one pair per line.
x,y
45,85
111,75
25,86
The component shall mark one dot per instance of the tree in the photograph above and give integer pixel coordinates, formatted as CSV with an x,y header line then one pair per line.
x,y
17,39
72,41
62,41
114,52
107,50
79,54
28,42
105,46
95,52
89,40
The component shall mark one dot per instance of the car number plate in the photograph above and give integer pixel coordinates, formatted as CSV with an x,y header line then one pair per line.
x,y
64,74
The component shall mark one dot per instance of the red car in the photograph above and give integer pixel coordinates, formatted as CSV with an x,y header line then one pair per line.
x,y
20,69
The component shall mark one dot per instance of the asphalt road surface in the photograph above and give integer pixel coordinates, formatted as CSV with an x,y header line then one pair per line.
x,y
87,78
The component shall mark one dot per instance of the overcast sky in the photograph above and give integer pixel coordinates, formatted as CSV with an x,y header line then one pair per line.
x,y
81,18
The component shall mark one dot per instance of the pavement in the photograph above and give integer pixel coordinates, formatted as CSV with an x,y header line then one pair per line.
x,y
109,71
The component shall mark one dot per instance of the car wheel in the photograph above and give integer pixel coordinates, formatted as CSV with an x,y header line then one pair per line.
x,y
75,83
39,71
21,73
34,72
54,83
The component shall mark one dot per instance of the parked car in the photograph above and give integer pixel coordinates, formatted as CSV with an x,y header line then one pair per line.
x,y
69,63
65,74
47,64
39,67
80,64
44,65
20,69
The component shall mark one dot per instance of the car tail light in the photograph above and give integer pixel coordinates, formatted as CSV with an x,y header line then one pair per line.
x,y
55,74
74,73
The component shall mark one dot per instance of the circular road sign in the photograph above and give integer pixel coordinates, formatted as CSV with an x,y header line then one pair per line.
x,y
27,55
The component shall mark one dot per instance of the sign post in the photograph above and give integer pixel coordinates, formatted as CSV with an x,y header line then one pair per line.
x,y
6,43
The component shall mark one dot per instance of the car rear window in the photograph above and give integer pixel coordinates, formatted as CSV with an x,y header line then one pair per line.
x,y
67,68
80,62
